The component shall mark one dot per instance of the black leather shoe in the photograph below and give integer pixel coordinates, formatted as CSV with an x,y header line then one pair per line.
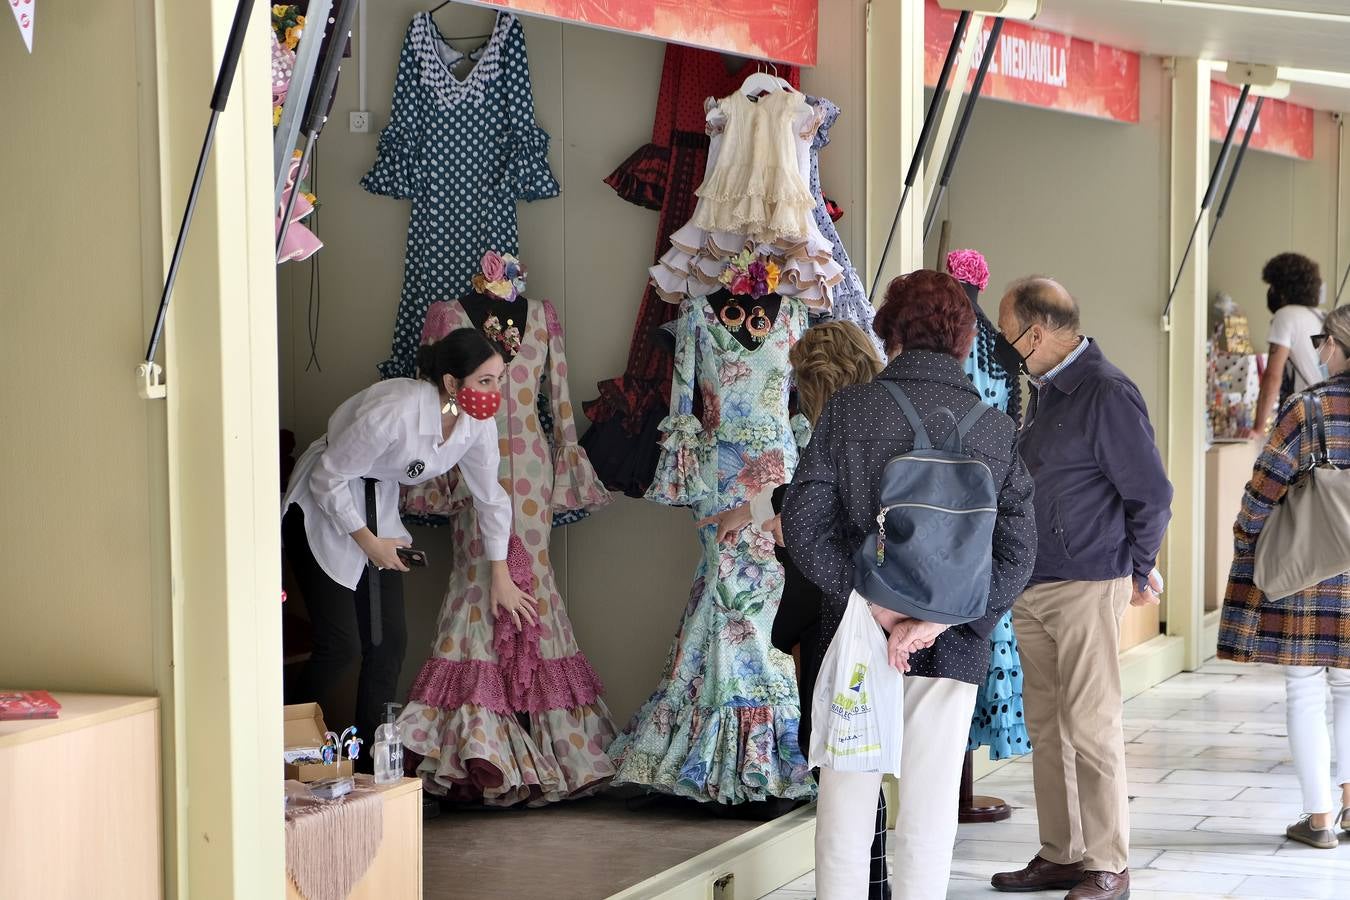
x,y
1039,875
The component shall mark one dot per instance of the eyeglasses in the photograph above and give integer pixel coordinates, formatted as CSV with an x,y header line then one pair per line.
x,y
1319,339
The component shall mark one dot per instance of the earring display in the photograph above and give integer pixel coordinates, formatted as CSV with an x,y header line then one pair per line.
x,y
759,325
733,316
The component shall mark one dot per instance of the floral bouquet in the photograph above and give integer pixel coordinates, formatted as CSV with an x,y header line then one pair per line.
x,y
502,276
747,275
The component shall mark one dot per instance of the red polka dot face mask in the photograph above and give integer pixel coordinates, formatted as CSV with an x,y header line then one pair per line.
x,y
479,404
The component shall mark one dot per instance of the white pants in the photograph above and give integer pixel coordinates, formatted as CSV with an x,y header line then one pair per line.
x,y
1306,712
937,725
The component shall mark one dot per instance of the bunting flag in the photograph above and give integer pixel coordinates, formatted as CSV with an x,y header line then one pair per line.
x,y
24,11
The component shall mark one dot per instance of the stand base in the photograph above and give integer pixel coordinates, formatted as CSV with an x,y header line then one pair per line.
x,y
984,809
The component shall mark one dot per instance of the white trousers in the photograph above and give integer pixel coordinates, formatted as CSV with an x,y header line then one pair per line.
x,y
1305,710
937,726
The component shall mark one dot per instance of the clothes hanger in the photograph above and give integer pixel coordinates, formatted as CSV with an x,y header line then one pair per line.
x,y
761,82
782,81
465,37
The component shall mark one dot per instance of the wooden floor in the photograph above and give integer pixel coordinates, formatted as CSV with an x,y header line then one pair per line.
x,y
586,850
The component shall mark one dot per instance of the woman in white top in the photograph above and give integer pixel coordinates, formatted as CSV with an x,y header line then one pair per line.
x,y
1293,295
399,431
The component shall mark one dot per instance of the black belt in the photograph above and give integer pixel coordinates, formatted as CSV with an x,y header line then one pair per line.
x,y
373,576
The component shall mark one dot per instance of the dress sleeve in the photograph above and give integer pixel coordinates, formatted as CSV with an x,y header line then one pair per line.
x,y
686,468
829,114
641,178
394,173
479,469
526,175
575,485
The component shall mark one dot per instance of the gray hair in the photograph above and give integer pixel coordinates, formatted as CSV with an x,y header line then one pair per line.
x,y
1043,301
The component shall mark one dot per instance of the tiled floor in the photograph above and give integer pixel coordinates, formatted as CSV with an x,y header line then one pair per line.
x,y
1211,793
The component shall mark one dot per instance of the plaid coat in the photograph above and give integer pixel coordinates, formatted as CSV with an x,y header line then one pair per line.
x,y
1311,628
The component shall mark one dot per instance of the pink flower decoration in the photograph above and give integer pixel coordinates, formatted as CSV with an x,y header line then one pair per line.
x,y
494,269
741,285
968,266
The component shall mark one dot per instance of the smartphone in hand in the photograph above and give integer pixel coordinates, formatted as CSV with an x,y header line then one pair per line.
x,y
413,559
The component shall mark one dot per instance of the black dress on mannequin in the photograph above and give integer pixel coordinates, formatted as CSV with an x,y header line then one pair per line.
x,y
482,307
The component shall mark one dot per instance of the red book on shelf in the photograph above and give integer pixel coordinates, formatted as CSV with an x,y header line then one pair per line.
x,y
27,705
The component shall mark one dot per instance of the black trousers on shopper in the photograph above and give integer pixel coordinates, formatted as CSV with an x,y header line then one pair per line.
x,y
341,622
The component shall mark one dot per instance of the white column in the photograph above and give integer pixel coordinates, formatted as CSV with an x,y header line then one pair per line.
x,y
1184,548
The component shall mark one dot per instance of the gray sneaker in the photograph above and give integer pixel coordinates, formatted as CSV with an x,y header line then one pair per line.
x,y
1305,833
1344,820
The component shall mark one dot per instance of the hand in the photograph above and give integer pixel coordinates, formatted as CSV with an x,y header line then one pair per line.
x,y
504,595
774,527
729,522
909,637
1150,594
886,618
1255,434
383,552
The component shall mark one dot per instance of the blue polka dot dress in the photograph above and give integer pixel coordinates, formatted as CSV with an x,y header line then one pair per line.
x,y
464,148
998,722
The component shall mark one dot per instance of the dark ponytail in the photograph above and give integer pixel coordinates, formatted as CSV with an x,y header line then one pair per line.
x,y
458,354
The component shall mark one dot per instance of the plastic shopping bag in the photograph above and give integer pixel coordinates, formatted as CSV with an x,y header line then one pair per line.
x,y
857,714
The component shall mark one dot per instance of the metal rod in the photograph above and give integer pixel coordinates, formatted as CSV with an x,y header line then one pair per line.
x,y
1237,167
1341,289
966,115
925,137
1209,195
295,189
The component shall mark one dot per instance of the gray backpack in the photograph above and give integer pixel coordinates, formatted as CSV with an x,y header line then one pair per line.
x,y
931,554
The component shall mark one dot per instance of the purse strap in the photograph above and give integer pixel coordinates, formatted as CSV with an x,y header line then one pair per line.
x,y
1314,420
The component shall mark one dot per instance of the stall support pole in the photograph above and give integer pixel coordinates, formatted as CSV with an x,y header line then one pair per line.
x,y
1186,332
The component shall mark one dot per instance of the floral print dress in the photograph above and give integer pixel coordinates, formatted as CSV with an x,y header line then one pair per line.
x,y
722,724
499,716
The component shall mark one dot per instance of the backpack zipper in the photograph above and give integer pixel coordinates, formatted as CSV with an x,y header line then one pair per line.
x,y
881,520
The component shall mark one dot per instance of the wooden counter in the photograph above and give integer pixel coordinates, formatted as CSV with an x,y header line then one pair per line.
x,y
80,801
1228,468
396,872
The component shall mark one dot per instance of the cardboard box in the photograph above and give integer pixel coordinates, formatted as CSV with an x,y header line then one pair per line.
x,y
303,730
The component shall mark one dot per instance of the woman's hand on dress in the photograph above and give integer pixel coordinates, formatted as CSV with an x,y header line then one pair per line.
x,y
504,595
774,527
729,522
383,552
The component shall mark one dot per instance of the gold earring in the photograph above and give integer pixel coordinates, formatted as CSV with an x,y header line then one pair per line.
x,y
450,407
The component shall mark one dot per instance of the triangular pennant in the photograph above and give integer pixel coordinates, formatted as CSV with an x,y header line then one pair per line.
x,y
24,11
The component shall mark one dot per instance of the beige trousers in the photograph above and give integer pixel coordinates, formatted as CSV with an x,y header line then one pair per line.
x,y
1069,635
937,724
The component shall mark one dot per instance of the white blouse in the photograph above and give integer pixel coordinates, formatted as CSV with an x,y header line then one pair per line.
x,y
391,432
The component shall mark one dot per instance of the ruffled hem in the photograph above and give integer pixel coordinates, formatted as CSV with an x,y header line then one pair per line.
x,y
751,209
1003,743
527,175
728,754
575,484
548,684
394,173
471,754
694,264
641,178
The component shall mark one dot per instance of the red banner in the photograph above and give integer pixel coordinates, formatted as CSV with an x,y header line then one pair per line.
x,y
1035,67
778,30
1284,128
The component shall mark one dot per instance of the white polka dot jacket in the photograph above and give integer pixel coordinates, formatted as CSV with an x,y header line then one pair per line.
x,y
832,501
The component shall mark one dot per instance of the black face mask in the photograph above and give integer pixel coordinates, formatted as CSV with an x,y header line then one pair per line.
x,y
1008,355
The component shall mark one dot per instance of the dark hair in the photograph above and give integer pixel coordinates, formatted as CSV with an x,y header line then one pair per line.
x,y
1294,280
926,310
458,354
1041,301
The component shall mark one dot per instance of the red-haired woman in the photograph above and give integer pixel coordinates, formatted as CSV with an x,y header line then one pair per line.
x,y
928,326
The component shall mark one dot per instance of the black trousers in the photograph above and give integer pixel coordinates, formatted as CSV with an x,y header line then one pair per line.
x,y
341,621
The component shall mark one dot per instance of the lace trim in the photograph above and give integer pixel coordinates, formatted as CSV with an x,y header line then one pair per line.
x,y
449,90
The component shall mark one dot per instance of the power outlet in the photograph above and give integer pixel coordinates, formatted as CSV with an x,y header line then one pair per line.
x,y
359,122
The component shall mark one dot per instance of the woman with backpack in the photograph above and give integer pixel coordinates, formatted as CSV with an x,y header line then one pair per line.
x,y
1307,633
831,510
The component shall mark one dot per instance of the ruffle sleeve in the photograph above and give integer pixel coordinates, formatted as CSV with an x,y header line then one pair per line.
x,y
575,484
526,174
828,114
641,178
687,462
395,170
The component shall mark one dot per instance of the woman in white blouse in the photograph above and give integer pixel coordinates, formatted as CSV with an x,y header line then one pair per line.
x,y
399,431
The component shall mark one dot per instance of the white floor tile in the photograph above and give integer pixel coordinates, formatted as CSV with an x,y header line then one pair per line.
x,y
1197,726
1270,826
1310,865
1281,795
1188,883
1272,888
1243,779
1233,808
1182,791
1163,821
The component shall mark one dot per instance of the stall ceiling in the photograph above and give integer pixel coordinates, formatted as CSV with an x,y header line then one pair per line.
x,y
1222,30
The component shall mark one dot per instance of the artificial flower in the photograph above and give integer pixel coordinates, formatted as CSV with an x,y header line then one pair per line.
x,y
494,268
756,270
741,284
772,274
279,10
293,36
480,283
308,196
276,116
968,266
504,289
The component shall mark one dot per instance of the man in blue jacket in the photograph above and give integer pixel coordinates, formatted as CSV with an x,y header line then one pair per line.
x,y
1102,504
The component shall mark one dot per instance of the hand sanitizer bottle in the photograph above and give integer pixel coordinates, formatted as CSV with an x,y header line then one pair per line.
x,y
387,751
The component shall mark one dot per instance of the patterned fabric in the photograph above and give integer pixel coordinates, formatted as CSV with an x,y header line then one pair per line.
x,y
831,503
722,724
850,297
1311,628
497,720
879,870
661,175
464,150
999,722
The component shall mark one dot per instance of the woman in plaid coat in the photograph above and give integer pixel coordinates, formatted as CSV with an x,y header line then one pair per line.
x,y
1309,633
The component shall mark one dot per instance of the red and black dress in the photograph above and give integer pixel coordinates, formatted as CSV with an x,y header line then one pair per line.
x,y
623,440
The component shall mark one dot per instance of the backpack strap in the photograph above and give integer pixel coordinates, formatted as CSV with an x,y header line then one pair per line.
x,y
921,440
968,422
